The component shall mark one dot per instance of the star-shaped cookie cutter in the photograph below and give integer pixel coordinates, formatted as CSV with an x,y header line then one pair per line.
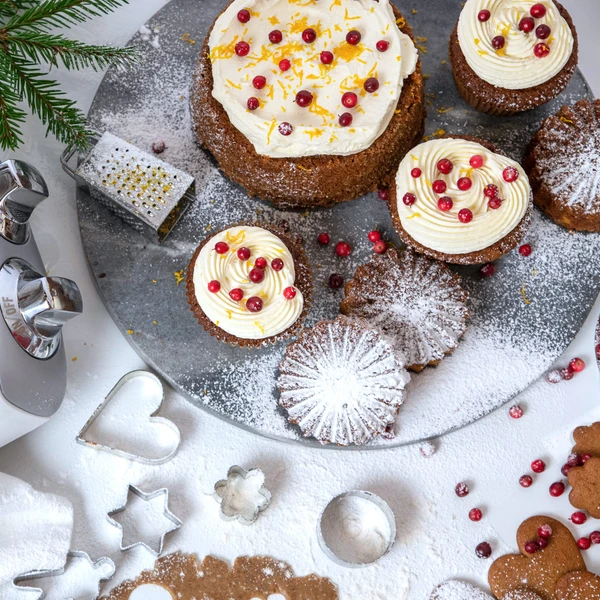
x,y
146,497
32,575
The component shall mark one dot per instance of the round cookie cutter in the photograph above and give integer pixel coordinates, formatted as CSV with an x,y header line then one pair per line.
x,y
329,514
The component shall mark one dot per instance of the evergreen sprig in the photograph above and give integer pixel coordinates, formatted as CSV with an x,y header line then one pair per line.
x,y
30,49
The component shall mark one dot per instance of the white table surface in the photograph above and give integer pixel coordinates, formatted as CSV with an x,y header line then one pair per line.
x,y
420,490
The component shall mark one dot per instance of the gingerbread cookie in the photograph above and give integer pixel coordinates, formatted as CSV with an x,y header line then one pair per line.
x,y
182,577
458,590
587,440
578,586
539,571
585,481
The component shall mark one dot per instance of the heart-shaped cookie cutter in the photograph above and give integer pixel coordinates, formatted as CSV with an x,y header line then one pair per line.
x,y
153,419
33,575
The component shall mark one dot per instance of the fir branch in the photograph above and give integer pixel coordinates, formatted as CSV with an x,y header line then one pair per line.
x,y
11,117
61,13
45,48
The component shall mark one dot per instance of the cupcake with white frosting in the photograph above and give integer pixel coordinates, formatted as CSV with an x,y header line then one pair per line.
x,y
459,200
312,103
509,56
250,285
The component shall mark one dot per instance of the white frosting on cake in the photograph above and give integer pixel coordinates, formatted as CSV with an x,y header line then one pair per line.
x,y
316,128
278,313
514,67
443,231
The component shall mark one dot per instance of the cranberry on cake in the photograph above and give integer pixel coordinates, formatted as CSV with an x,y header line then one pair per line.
x,y
457,199
509,56
418,303
563,164
249,285
341,382
308,104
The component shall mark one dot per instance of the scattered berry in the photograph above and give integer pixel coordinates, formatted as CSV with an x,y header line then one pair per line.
x,y
214,286
483,550
545,531
585,458
439,186
574,460
259,82
343,249
285,64
345,120
383,193
416,173
323,238
527,24
289,293
488,270
494,203
243,253
158,147
567,374
335,281
236,294
516,412
526,481
243,16
277,264
285,128
349,99
445,204
499,42
309,35
525,250
554,376
326,57
541,50
476,161
598,351
464,184
538,466
577,365
242,48
254,304
579,518
275,36
427,449
353,37
445,166
565,469
543,32
465,215
510,174
490,191
382,45
537,11
253,103
484,15
595,537
371,85
374,236
304,98
557,489
475,514
531,547
380,247
409,199
221,247
584,543
256,275
462,490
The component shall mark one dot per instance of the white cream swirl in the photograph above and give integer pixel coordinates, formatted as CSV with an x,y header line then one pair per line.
x,y
516,66
316,129
277,314
443,231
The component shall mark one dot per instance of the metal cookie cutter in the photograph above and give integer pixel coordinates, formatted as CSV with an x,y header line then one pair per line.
x,y
155,381
146,497
242,495
33,575
146,192
339,516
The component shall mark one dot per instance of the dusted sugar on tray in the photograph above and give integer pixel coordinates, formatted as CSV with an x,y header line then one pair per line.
x,y
301,90
249,285
459,200
509,56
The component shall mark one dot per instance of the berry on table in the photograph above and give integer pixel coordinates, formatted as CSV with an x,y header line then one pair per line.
x,y
577,365
483,550
309,35
598,351
243,16
374,236
554,376
382,45
277,264
538,466
445,204
578,518
214,286
380,247
557,489
595,537
259,82
285,128
574,460
353,37
289,293
475,514
243,253
537,11
445,166
323,238
221,247
409,199
499,42
525,250
345,120
254,304
584,543
371,85
531,547
326,57
527,25
253,103
462,490
567,374
304,98
236,294
545,531
465,215
349,99
242,48
158,147
275,36
335,281
565,469
488,270
343,249
516,411
484,15
526,481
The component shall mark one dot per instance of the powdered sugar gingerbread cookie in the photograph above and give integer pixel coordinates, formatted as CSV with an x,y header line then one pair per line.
x,y
578,586
458,590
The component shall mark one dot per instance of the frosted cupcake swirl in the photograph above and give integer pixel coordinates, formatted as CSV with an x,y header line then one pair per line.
x,y
514,44
221,277
457,197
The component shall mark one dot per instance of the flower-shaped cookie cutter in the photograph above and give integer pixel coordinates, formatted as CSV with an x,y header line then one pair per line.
x,y
242,495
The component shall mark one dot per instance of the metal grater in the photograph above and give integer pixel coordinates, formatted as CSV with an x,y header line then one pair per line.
x,y
146,192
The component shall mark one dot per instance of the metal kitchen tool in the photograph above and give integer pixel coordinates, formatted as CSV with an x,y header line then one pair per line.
x,y
33,575
331,516
154,380
33,306
241,505
146,192
146,497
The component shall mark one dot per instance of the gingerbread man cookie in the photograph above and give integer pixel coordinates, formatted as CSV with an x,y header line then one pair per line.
x,y
578,586
541,570
585,481
587,440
